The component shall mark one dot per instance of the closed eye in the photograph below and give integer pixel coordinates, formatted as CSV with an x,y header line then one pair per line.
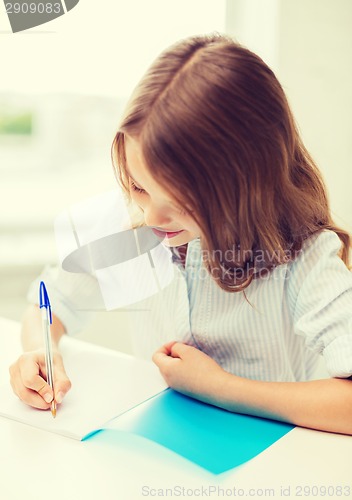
x,y
136,188
139,190
182,212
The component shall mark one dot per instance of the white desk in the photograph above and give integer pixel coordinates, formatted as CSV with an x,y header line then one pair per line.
x,y
35,464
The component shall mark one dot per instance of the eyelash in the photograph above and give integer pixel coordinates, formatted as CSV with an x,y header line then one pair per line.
x,y
136,188
140,190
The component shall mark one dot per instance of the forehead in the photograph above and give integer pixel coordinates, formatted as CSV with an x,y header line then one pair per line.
x,y
134,158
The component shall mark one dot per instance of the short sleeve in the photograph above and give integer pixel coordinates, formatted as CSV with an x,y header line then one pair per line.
x,y
320,295
74,297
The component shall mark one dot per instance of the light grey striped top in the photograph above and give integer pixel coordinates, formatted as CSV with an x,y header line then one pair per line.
x,y
300,311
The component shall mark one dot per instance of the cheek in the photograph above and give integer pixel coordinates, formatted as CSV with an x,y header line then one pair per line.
x,y
190,224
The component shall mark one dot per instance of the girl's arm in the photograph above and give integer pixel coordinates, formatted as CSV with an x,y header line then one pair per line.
x,y
320,404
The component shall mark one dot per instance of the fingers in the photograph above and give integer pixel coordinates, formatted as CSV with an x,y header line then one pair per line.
x,y
32,398
27,395
164,350
170,351
30,371
174,348
28,380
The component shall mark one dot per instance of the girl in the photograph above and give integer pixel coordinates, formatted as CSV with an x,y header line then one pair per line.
x,y
209,151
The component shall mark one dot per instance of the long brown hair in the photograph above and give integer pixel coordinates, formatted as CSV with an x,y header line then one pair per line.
x,y
216,130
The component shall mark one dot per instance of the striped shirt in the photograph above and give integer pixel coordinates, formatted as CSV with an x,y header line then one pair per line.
x,y
302,310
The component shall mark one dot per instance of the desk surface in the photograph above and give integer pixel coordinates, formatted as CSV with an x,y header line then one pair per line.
x,y
35,464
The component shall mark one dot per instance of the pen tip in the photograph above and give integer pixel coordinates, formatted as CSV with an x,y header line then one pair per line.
x,y
53,409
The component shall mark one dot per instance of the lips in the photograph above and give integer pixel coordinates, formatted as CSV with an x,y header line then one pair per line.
x,y
166,234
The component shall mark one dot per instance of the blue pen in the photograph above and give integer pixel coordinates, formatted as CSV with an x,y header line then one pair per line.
x,y
47,320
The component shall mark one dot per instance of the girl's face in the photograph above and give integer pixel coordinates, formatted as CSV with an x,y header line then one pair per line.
x,y
166,218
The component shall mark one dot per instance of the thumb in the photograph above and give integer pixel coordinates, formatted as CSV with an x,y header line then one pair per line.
x,y
179,350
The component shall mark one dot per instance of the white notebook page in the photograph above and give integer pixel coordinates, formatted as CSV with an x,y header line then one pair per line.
x,y
105,384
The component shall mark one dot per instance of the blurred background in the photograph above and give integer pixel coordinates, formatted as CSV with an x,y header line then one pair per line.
x,y
64,85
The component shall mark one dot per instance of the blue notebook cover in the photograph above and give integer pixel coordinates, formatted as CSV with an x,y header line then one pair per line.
x,y
209,436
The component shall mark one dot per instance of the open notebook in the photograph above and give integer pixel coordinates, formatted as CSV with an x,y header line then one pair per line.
x,y
105,384
116,392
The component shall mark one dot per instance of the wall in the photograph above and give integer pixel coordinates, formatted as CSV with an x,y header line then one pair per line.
x,y
308,43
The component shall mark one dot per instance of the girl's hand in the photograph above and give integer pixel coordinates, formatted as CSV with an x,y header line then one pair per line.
x,y
28,379
190,371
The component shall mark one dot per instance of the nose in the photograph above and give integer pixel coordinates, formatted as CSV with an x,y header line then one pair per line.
x,y
156,216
